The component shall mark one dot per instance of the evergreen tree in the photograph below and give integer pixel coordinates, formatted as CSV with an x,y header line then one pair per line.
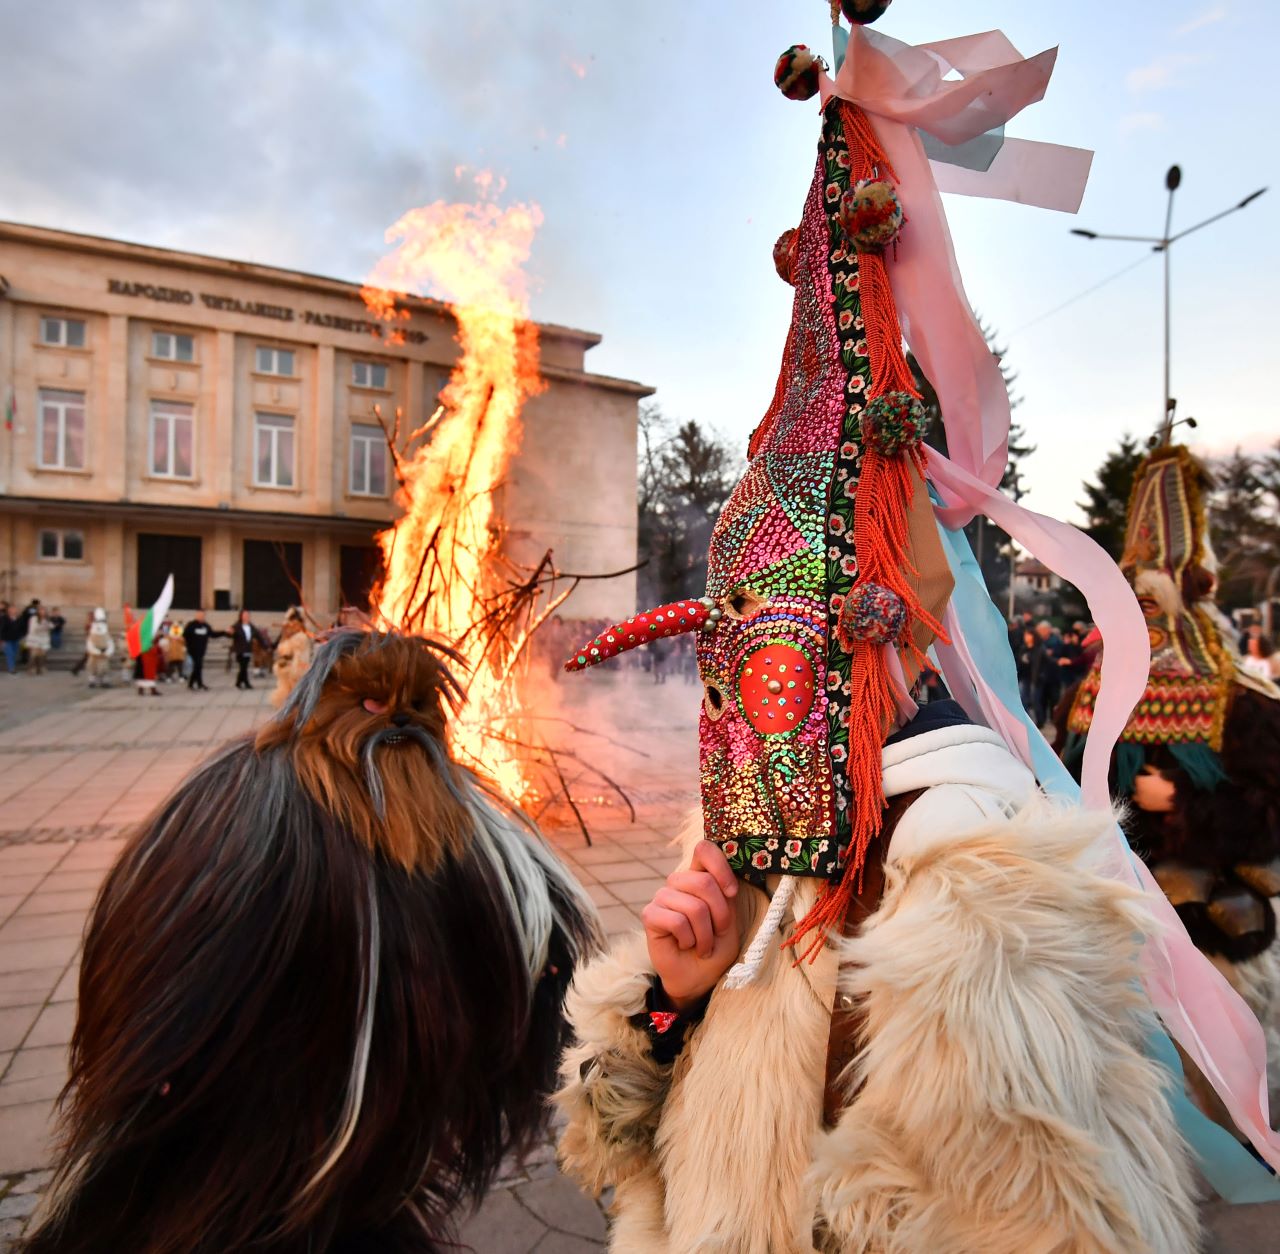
x,y
1245,526
685,476
990,543
1107,500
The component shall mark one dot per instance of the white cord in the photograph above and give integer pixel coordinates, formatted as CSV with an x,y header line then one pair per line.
x,y
743,973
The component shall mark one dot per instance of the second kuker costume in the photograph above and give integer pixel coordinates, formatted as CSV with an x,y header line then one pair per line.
x,y
912,897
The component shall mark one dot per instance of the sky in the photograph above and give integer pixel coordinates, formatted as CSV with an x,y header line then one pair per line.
x,y
665,162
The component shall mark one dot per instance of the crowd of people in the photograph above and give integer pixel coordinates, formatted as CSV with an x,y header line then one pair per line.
x,y
177,654
29,633
1050,660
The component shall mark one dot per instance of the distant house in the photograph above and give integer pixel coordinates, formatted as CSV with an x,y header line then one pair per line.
x,y
1034,578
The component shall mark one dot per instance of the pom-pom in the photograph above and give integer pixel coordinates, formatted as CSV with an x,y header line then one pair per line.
x,y
871,613
784,254
864,12
796,73
870,215
893,422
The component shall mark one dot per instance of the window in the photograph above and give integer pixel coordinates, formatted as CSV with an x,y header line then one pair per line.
x,y
369,374
273,451
62,546
274,361
368,461
172,346
172,440
61,430
62,332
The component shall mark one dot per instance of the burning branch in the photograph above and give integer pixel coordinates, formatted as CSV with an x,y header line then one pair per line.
x,y
446,573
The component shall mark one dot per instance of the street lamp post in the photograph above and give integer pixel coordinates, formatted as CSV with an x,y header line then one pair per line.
x,y
1164,244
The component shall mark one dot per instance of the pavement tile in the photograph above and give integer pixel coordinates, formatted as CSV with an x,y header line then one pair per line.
x,y
564,1208
15,1023
34,955
69,985
593,855
8,905
614,872
38,926
54,1026
29,988
25,1136
629,892
600,895
501,1226
36,1089
64,881
57,903
616,919
19,885
41,856
37,1061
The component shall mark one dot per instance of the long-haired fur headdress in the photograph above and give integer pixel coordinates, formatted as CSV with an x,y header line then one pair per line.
x,y
321,989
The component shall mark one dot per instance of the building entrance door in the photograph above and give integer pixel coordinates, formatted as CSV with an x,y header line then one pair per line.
x,y
162,556
272,574
359,568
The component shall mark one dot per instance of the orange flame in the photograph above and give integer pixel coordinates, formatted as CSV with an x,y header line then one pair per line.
x,y
441,557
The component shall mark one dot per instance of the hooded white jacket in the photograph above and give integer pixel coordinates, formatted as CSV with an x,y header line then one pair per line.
x,y
1003,1100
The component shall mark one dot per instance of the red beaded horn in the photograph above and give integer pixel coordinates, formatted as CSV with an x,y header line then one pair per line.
x,y
674,619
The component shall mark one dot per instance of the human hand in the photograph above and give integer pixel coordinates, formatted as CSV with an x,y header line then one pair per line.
x,y
692,927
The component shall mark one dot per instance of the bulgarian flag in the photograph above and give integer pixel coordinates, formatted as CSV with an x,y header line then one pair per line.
x,y
10,409
140,634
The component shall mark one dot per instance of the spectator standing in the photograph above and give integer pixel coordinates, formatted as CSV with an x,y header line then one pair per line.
x,y
1030,658
83,660
12,629
177,655
1261,659
1071,659
244,635
98,649
56,623
37,638
196,636
1049,683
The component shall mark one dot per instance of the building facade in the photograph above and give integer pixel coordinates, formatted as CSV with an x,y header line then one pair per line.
x,y
170,412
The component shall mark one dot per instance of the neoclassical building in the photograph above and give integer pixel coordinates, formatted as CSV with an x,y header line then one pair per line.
x,y
170,412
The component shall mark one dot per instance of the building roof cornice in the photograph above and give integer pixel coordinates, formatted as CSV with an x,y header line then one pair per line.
x,y
296,280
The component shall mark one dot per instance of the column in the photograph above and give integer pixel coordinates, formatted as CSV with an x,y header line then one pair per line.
x,y
226,472
326,433
109,456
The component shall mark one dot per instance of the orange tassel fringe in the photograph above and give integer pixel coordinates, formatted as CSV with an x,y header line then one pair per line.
x,y
881,540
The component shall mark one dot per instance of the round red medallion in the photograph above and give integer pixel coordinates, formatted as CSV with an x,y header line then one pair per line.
x,y
776,688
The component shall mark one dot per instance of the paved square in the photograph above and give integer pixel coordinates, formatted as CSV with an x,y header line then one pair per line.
x,y
76,768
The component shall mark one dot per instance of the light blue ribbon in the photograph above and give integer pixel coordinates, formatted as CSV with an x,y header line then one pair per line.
x,y
1234,1173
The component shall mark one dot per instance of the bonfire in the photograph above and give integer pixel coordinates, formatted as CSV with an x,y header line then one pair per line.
x,y
445,570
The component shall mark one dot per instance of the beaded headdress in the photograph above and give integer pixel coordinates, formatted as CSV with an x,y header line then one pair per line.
x,y
1165,558
824,569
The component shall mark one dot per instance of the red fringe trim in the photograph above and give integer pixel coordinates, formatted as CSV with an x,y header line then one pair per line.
x,y
880,536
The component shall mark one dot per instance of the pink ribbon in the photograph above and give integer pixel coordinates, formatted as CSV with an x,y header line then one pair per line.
x,y
902,89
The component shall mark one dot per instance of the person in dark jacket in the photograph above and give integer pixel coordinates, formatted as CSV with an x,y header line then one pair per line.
x,y
243,636
196,635
12,628
1030,658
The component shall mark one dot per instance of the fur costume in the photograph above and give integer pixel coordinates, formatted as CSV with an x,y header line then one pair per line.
x,y
99,647
292,657
1003,1102
1212,731
321,993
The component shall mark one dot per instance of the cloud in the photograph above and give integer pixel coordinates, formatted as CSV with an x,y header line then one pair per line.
x,y
1132,123
1164,71
1211,15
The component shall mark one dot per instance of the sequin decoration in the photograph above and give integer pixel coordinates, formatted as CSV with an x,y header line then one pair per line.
x,y
667,620
771,798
